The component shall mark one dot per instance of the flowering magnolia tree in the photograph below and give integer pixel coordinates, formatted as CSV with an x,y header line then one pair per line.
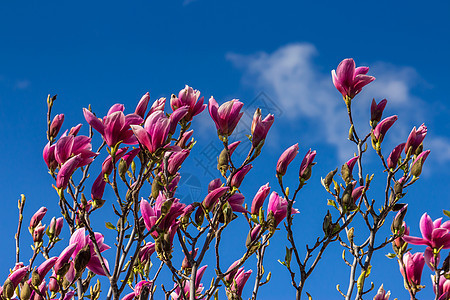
x,y
146,150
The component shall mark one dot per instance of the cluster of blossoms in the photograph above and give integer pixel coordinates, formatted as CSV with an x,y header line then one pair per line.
x,y
143,146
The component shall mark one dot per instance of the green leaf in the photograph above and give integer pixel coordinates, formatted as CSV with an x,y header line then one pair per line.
x,y
110,226
446,212
332,203
391,255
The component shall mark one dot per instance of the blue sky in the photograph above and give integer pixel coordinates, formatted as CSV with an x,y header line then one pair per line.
x,y
280,54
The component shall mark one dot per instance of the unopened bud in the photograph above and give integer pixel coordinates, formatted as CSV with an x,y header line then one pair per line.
x,y
156,187
199,216
8,289
222,162
25,292
35,279
327,223
329,179
123,168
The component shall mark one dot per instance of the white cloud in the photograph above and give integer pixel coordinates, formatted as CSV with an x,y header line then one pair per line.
x,y
290,75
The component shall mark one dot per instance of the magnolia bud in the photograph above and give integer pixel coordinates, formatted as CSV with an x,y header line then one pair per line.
x,y
25,292
8,289
156,187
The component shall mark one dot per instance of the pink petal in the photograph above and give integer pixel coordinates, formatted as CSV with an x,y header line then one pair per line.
x,y
94,121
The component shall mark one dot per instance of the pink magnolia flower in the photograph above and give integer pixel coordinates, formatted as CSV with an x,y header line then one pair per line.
x,y
286,158
66,147
142,105
56,226
185,142
434,234
381,294
81,240
17,275
414,264
188,97
115,126
239,281
239,176
176,160
376,110
350,80
393,158
236,200
260,127
67,170
443,287
178,293
46,266
38,233
259,198
151,214
227,116
155,131
38,216
56,124
305,166
176,117
159,104
415,138
381,129
278,206
214,184
145,252
214,196
64,257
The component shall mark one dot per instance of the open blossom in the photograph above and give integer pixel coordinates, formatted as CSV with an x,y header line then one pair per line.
x,y
190,98
66,147
414,264
286,158
115,126
415,138
350,80
155,131
151,214
81,240
278,206
227,116
434,234
260,127
238,283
